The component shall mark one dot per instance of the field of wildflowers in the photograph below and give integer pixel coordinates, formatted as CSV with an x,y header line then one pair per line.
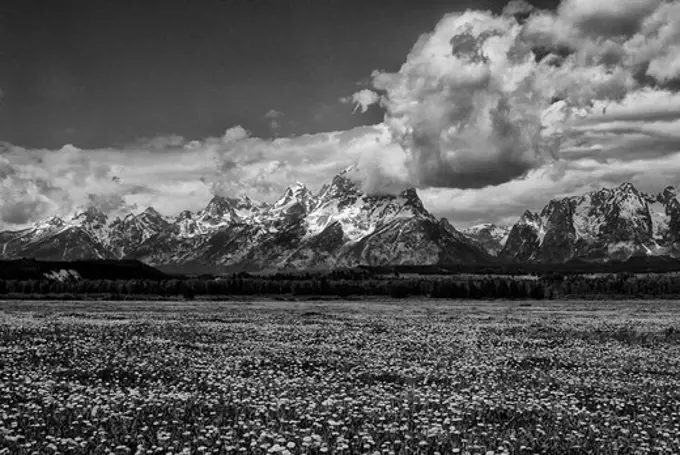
x,y
386,377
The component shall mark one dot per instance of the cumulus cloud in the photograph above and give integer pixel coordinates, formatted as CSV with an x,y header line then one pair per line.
x,y
606,17
274,118
485,99
506,202
644,105
110,203
488,115
467,105
656,45
273,113
169,173
639,37
263,168
21,200
520,9
362,99
36,183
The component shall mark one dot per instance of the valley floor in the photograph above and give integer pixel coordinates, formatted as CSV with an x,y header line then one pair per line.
x,y
407,376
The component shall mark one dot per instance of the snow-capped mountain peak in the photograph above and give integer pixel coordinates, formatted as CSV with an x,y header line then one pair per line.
x,y
245,204
152,212
488,227
48,226
219,210
600,225
53,221
134,229
222,211
151,217
341,227
625,187
93,221
491,236
342,188
90,216
296,194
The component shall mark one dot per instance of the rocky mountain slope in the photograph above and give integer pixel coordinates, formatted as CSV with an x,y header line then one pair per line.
x,y
490,236
340,226
602,225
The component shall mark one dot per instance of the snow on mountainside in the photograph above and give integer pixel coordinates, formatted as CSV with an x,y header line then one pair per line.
x,y
349,228
223,211
125,234
602,225
294,196
340,226
56,238
490,236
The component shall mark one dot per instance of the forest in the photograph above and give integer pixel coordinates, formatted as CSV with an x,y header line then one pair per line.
x,y
352,284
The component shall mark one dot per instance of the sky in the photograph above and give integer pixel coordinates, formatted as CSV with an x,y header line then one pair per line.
x,y
488,108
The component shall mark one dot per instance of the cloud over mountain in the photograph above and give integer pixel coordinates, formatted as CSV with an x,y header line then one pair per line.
x,y
483,99
169,173
487,115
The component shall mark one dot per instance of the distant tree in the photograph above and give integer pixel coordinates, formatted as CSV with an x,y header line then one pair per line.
x,y
187,292
502,290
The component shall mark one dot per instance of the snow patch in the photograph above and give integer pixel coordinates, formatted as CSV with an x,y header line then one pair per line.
x,y
62,275
660,220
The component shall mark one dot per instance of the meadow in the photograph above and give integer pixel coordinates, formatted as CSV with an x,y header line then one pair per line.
x,y
383,377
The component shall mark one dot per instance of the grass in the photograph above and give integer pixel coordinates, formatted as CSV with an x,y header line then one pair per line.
x,y
339,377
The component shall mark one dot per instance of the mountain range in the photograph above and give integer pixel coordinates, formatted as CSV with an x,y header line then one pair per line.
x,y
341,226
601,225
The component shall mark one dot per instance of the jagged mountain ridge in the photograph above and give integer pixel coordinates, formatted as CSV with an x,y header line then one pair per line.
x,y
338,227
490,236
601,225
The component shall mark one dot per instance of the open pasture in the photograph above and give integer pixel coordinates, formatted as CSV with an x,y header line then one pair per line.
x,y
382,377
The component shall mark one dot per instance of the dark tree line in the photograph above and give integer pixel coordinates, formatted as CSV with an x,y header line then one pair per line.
x,y
624,284
237,285
356,283
278,285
